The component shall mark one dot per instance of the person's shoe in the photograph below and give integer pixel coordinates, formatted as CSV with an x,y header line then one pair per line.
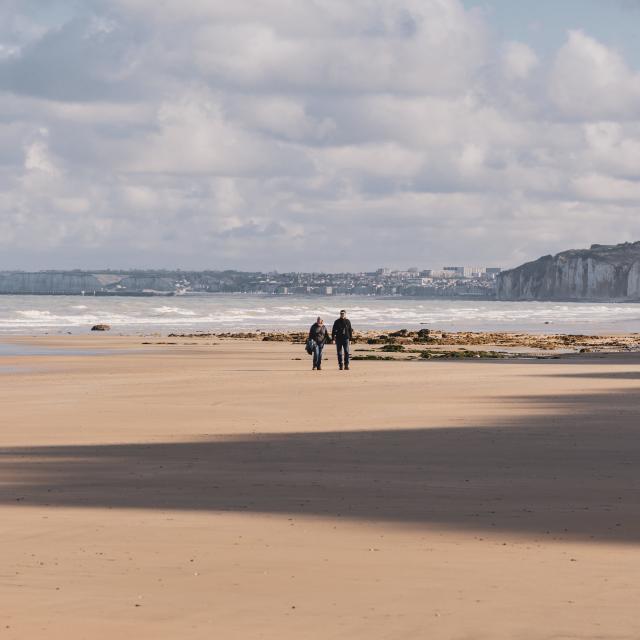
x,y
340,367
346,366
314,368
319,368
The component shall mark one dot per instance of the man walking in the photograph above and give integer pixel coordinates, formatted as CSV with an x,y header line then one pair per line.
x,y
318,335
342,333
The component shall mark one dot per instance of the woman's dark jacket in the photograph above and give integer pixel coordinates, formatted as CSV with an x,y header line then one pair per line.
x,y
319,333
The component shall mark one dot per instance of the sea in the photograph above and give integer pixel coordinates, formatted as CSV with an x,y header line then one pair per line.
x,y
37,315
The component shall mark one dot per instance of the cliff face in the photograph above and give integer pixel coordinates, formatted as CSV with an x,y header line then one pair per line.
x,y
72,283
48,282
146,283
603,272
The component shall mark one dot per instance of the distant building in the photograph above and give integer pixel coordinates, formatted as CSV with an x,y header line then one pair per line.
x,y
466,272
473,272
383,271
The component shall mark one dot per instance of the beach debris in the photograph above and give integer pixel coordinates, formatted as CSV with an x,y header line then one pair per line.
x,y
438,338
428,354
101,327
392,348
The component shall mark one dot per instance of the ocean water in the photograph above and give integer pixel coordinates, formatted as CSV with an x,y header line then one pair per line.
x,y
32,315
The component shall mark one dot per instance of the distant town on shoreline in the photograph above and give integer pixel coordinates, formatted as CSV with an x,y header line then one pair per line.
x,y
601,273
450,281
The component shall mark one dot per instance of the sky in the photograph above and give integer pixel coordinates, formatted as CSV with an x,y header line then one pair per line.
x,y
315,135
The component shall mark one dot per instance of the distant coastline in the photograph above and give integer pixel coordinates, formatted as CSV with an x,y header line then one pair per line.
x,y
256,294
451,282
602,273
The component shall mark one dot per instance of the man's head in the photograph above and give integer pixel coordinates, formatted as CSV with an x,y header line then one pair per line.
x,y
343,313
319,320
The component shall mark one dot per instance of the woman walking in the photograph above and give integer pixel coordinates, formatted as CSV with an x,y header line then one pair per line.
x,y
318,334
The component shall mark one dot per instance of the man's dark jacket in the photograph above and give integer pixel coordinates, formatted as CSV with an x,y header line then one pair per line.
x,y
342,329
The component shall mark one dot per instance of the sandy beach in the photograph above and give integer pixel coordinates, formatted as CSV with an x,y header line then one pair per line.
x,y
221,489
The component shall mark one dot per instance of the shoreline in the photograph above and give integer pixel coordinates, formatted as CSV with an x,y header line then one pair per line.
x,y
62,315
400,340
401,344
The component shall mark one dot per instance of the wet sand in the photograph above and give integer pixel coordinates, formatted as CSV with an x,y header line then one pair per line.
x,y
223,489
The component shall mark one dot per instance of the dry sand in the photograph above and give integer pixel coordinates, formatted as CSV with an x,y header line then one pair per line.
x,y
224,490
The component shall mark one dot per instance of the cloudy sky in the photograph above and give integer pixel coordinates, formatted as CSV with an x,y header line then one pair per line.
x,y
315,134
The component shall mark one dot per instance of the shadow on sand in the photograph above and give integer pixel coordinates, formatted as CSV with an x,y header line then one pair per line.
x,y
572,471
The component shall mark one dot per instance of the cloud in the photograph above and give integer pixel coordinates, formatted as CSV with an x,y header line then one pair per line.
x,y
518,60
37,158
87,58
606,188
191,135
301,135
590,81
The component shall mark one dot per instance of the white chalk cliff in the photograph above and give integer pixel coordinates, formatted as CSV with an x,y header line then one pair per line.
x,y
601,273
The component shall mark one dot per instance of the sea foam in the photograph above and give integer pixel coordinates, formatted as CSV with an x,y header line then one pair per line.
x,y
221,312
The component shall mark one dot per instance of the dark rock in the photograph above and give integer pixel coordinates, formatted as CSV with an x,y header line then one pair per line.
x,y
461,353
392,347
101,327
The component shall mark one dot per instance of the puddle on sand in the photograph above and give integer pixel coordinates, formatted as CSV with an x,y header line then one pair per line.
x,y
4,369
14,349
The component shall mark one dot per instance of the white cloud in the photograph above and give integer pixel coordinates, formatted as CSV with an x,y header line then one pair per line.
x,y
339,46
37,155
192,135
380,160
613,148
606,188
518,60
590,81
296,134
281,116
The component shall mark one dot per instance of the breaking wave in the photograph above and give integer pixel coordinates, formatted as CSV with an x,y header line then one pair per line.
x,y
220,312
